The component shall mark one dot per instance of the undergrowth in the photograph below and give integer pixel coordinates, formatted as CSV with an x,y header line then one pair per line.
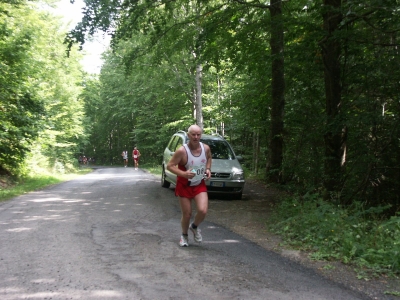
x,y
353,235
152,168
21,185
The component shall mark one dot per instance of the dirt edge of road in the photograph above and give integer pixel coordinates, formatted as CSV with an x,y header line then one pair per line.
x,y
247,218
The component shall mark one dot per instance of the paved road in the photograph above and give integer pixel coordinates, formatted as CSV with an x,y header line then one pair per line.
x,y
113,234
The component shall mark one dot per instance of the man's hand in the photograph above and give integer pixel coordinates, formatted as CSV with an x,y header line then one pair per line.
x,y
207,174
189,174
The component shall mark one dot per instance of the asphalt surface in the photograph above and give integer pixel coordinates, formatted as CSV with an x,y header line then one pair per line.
x,y
113,234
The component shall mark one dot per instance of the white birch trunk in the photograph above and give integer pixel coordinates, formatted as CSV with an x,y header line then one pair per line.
x,y
198,101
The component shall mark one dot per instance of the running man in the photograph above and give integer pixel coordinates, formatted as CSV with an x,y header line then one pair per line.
x,y
192,165
124,155
135,155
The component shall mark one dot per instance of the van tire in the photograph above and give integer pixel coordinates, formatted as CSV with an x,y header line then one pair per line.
x,y
164,182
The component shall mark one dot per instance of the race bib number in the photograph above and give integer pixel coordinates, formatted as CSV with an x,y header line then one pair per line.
x,y
199,171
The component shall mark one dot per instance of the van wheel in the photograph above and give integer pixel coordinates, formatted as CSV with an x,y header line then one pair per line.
x,y
164,182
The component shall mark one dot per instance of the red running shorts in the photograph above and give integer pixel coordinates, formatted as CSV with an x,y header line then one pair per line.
x,y
182,189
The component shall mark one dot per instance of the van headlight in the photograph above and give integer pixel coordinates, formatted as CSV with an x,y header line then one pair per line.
x,y
238,175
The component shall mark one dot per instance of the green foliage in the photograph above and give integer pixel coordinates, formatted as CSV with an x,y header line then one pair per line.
x,y
154,168
146,89
353,235
39,90
27,184
394,293
21,109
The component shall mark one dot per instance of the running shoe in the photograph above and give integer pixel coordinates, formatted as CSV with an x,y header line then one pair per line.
x,y
196,234
184,241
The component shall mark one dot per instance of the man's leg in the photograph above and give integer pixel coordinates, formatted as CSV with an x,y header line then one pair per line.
x,y
186,209
201,201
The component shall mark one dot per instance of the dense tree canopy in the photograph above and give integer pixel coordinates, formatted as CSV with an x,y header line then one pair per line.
x,y
41,113
305,90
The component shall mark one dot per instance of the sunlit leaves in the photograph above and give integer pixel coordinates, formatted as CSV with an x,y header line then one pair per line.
x,y
39,88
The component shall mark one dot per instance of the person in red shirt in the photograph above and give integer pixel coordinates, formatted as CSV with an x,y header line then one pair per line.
x,y
135,155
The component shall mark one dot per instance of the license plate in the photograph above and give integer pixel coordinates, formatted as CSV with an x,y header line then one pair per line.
x,y
218,184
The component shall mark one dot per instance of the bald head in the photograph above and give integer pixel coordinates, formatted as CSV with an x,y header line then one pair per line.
x,y
194,135
194,128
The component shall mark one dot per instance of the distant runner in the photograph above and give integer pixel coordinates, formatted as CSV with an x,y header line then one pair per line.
x,y
124,155
135,155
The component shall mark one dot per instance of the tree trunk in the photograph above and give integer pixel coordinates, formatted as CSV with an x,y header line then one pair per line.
x,y
198,103
256,147
335,133
274,173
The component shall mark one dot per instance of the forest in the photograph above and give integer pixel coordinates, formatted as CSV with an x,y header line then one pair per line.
x,y
306,91
42,117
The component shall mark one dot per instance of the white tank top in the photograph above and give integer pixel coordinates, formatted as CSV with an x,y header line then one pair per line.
x,y
197,164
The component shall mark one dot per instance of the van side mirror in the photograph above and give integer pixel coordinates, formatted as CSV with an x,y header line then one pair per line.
x,y
239,158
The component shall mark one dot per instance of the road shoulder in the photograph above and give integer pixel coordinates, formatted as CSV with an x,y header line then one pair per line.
x,y
247,218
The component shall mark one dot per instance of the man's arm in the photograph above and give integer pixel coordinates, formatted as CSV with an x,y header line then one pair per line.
x,y
176,159
209,161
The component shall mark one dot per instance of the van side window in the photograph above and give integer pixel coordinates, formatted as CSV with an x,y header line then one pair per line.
x,y
172,143
179,143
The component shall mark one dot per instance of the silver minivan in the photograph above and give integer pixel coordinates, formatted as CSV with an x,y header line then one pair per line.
x,y
227,176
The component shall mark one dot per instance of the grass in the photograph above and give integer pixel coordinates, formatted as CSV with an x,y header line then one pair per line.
x,y
354,235
152,168
394,293
20,186
35,182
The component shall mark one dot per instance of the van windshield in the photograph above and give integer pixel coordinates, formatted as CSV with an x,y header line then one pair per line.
x,y
219,149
